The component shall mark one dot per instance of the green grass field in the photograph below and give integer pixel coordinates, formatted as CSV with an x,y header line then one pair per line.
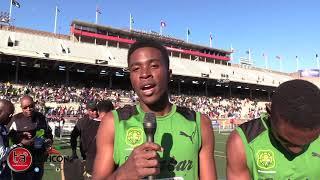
x,y
54,171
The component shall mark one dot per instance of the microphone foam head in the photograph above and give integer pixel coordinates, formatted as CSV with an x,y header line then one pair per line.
x,y
150,123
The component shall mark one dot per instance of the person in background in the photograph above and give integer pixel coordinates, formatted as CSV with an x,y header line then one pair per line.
x,y
6,113
23,129
103,108
80,130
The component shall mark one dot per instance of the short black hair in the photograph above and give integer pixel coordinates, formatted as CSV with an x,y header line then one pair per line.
x,y
92,105
105,106
141,43
297,102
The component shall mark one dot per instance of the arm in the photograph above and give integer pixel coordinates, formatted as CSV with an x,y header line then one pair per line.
x,y
104,164
12,131
4,151
142,161
48,130
236,158
73,137
207,166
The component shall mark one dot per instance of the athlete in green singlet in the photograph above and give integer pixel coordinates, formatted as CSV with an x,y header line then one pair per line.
x,y
285,144
184,142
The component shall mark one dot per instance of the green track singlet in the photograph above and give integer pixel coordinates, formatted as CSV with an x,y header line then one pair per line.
x,y
178,132
268,160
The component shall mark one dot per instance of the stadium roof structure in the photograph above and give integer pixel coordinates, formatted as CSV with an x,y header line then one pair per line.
x,y
151,34
128,36
102,51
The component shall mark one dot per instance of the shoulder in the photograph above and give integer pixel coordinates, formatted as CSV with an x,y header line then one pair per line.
x,y
17,116
236,144
39,115
237,167
206,130
234,140
106,128
252,129
126,112
206,122
81,121
186,113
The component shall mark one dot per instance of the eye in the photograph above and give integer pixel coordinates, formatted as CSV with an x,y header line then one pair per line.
x,y
135,68
154,65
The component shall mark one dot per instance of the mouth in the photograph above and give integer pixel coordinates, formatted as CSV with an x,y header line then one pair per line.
x,y
148,89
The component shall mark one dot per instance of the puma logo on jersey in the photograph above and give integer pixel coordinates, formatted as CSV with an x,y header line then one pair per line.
x,y
314,154
186,135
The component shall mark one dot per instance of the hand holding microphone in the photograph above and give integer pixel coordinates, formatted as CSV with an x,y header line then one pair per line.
x,y
143,160
150,127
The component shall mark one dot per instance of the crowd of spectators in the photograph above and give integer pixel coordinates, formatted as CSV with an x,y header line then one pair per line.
x,y
69,101
220,108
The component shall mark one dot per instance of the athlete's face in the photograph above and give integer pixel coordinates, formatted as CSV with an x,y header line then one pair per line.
x,y
149,74
292,138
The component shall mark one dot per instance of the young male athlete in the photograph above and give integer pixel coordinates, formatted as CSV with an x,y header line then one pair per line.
x,y
184,141
283,145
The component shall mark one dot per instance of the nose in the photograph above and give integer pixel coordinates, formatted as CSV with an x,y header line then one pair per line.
x,y
145,73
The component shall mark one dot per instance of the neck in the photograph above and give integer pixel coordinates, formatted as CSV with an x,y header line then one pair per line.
x,y
160,108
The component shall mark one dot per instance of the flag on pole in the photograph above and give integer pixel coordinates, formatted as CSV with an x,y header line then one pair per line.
x,y
297,63
16,3
163,24
131,19
56,19
210,39
278,57
318,63
188,33
98,10
265,60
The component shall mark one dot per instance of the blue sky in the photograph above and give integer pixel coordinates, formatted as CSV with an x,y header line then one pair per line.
x,y
286,28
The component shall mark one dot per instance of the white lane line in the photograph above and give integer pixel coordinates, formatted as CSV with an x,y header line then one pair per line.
x,y
219,151
220,156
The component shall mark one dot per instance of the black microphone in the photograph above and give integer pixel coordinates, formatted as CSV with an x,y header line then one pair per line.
x,y
150,126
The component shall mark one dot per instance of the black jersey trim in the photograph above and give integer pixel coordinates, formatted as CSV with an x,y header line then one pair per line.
x,y
252,129
126,112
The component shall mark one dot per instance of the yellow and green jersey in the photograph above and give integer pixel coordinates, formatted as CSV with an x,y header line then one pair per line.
x,y
268,160
178,132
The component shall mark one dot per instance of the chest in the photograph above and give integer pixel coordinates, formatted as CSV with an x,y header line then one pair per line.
x,y
179,139
269,162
